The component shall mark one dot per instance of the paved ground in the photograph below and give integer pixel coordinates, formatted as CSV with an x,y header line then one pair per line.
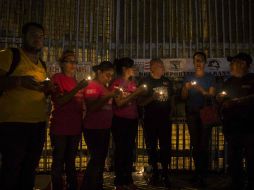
x,y
180,181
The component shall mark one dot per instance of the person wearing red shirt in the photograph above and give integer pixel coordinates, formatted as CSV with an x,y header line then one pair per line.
x,y
97,124
66,121
125,122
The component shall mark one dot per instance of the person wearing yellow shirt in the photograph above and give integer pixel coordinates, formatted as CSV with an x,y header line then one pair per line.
x,y
23,111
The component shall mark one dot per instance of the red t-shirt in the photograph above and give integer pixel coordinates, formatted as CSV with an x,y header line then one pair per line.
x,y
66,119
130,110
102,118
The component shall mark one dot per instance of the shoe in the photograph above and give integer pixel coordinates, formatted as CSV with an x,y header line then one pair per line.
x,y
154,179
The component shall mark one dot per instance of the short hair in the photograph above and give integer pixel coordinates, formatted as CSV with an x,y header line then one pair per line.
x,y
155,60
201,54
26,27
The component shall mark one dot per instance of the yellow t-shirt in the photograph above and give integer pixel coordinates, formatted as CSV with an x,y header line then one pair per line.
x,y
21,104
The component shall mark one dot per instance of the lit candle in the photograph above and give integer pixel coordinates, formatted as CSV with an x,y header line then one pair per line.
x,y
193,82
47,79
223,93
89,78
144,85
119,88
161,93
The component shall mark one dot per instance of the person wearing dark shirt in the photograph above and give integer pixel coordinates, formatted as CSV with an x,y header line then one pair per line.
x,y
237,112
196,89
157,121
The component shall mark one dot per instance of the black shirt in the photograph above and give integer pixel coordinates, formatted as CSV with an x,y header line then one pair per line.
x,y
162,106
240,118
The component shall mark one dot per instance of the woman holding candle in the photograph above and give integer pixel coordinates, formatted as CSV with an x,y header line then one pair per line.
x,y
66,121
125,122
97,124
196,88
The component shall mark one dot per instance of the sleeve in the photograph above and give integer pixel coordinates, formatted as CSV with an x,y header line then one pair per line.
x,y
5,59
91,92
58,88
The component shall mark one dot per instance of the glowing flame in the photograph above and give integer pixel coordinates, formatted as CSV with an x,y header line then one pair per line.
x,y
193,82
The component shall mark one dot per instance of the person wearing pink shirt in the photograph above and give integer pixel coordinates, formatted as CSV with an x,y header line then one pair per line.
x,y
66,122
97,124
125,122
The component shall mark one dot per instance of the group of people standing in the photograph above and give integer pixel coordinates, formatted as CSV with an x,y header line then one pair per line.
x,y
109,104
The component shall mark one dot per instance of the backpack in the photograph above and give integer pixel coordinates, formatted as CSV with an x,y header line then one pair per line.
x,y
15,62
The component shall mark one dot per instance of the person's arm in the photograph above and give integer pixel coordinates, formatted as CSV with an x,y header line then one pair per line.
x,y
62,99
96,104
122,101
11,82
185,90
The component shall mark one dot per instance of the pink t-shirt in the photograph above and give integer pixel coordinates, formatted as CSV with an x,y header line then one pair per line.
x,y
66,119
130,110
102,118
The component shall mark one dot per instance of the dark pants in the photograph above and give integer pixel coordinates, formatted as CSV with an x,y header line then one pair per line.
x,y
97,141
238,146
124,133
21,146
158,129
64,153
199,137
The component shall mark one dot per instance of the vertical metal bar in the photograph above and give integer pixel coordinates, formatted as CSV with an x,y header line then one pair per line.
x,y
111,20
170,27
137,42
103,30
196,24
210,29
131,28
236,26
250,27
8,24
182,29
163,28
144,30
151,29
177,28
157,29
84,35
216,28
190,25
97,30
243,32
77,28
117,25
125,27
230,27
223,28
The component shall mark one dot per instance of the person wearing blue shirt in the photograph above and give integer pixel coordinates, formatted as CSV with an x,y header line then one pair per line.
x,y
197,88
